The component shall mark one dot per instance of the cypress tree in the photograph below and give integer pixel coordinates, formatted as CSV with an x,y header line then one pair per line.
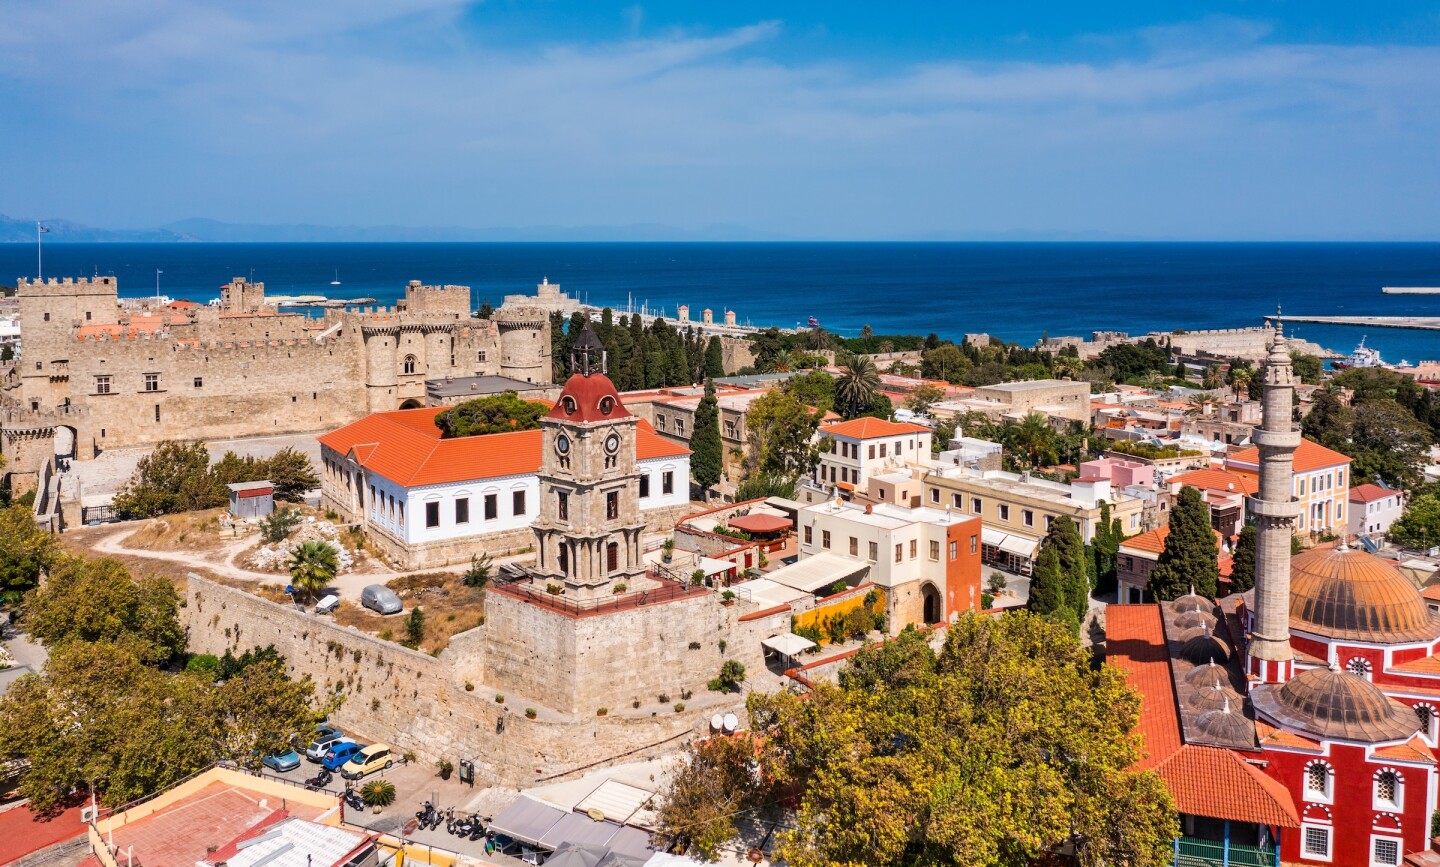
x,y
1242,573
714,358
1047,582
1190,558
1064,537
705,446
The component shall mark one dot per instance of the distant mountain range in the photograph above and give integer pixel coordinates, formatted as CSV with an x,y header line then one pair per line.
x,y
200,229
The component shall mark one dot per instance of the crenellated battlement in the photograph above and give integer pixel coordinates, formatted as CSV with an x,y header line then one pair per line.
x,y
66,285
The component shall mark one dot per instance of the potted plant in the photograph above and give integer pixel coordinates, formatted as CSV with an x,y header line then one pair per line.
x,y
727,598
602,711
378,794
667,550
445,768
697,577
531,713
499,698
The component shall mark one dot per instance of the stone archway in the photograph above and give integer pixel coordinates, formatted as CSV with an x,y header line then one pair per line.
x,y
412,403
934,609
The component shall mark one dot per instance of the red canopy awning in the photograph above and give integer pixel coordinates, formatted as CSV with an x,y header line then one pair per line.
x,y
760,523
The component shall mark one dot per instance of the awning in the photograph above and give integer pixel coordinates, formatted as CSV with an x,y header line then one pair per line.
x,y
820,570
527,820
1020,546
575,855
578,828
632,843
759,522
614,800
788,644
767,594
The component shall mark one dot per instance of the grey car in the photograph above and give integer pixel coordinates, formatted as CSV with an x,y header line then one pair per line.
x,y
380,599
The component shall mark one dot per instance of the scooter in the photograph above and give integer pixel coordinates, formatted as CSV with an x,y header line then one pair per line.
x,y
450,821
425,814
479,831
353,799
320,780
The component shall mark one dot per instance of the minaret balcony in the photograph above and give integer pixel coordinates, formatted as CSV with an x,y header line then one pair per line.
x,y
1282,439
1269,509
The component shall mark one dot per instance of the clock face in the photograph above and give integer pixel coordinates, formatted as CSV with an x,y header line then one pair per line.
x,y
612,444
562,444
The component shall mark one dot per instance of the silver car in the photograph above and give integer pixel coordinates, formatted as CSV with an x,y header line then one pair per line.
x,y
380,599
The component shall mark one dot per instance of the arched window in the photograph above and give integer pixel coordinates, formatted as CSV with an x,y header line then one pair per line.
x,y
1387,790
1426,714
1359,666
612,557
409,364
1317,780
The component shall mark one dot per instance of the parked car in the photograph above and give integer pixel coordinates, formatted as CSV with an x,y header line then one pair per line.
x,y
380,599
369,760
326,738
339,754
282,762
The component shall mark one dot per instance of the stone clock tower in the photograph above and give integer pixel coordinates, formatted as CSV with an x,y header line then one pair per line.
x,y
588,531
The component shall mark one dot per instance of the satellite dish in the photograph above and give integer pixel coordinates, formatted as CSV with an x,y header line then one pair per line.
x,y
716,722
731,722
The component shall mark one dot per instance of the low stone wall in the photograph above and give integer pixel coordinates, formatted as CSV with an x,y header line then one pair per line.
x,y
448,552
420,704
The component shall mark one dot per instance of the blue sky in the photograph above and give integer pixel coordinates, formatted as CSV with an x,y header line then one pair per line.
x,y
1241,120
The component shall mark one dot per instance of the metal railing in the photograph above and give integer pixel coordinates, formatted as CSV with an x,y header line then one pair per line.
x,y
1193,852
667,591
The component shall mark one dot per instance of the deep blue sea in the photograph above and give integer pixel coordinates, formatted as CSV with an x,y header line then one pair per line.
x,y
1016,291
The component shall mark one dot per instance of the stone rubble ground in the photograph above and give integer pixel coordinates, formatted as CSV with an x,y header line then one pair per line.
x,y
273,557
6,660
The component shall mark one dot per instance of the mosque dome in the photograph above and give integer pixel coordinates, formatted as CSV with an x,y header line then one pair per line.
x,y
1208,675
1227,723
1343,593
1193,619
1213,697
1332,703
1204,649
1193,602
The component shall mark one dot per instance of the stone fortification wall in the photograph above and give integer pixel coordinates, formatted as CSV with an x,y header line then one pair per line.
x,y
737,352
419,704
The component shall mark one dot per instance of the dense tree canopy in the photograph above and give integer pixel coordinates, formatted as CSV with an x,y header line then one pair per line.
x,y
1385,440
1060,587
1191,558
500,413
26,552
1004,746
1419,527
1242,570
781,431
98,601
177,477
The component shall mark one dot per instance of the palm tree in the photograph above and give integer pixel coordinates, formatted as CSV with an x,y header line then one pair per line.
x,y
1198,404
857,384
312,566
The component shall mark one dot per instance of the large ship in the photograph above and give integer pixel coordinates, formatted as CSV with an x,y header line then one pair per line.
x,y
1363,356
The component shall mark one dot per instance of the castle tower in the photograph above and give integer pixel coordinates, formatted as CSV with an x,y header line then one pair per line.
x,y
524,343
242,296
50,311
1274,511
588,530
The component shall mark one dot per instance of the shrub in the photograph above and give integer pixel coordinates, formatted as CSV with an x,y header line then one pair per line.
x,y
280,523
601,711
554,589
723,645
998,581
838,587
499,698
697,577
728,595
987,601
694,645
469,687
679,707
531,712
732,673
635,704
208,663
332,515
872,597
378,793
386,635
621,588
445,768
478,575
414,628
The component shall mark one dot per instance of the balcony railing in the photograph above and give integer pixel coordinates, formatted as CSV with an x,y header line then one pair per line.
x,y
1193,852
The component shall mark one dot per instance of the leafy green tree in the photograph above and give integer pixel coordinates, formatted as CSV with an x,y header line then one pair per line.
x,y
945,362
762,485
290,471
1105,550
732,674
478,575
98,601
814,389
260,709
313,565
230,665
930,767
485,311
1047,583
279,524
1134,361
26,552
173,478
1242,568
857,386
714,358
1388,443
1069,546
1190,558
1419,527
714,784
707,452
1307,367
414,628
500,413
781,432
923,397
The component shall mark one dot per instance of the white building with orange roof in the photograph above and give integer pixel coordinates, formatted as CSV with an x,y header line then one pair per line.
x,y
427,501
855,451
1321,486
1373,509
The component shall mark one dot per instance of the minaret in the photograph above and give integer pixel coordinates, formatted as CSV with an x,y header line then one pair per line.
x,y
1274,511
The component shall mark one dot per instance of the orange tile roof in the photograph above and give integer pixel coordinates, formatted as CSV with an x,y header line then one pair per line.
x,y
1309,456
1369,493
872,428
1153,541
1415,750
1217,783
1270,735
1218,480
1135,644
405,447
1423,665
1431,591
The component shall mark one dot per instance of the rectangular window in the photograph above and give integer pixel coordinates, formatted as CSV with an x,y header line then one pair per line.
x,y
914,547
899,552
152,382
562,505
974,541
730,430
612,556
1027,517
102,385
462,510
517,503
680,426
432,514
872,451
1301,483
1387,851
157,412
660,422
976,505
954,550
854,547
612,505
667,482
825,539
644,486
934,549
882,450
955,501
1004,512
480,356
934,495
492,506
809,534
874,551
199,382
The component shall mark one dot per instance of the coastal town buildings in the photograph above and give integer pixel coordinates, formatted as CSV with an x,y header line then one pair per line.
x,y
1321,485
1137,556
1373,509
1059,400
1295,722
854,452
671,412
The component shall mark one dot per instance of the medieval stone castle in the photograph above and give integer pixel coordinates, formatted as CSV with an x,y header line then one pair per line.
x,y
120,373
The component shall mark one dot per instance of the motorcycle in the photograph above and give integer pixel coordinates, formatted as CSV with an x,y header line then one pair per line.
x,y
450,821
479,830
319,781
464,826
353,799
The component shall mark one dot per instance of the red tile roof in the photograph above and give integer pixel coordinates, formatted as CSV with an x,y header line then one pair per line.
x,y
1415,750
872,428
1217,783
1218,480
1135,644
22,832
1369,493
1309,456
588,399
405,447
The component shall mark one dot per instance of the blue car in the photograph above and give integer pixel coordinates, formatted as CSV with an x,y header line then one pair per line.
x,y
340,754
282,762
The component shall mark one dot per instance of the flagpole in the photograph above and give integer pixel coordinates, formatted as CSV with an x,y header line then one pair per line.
x,y
39,258
158,272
